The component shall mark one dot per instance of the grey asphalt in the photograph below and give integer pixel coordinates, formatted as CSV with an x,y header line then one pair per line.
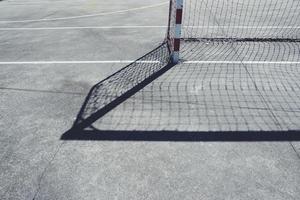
x,y
39,102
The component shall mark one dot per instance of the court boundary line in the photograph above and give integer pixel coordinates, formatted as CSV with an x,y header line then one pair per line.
x,y
78,27
238,62
85,16
76,62
138,26
144,61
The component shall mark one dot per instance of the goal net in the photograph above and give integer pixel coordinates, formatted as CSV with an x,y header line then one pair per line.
x,y
232,20
238,71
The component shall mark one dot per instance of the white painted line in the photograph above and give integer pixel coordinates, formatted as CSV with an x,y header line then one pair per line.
x,y
86,16
78,27
78,62
145,61
239,62
136,27
244,27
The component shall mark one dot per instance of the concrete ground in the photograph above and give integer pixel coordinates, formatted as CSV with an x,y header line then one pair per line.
x,y
51,54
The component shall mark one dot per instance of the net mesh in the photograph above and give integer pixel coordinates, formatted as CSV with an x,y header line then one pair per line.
x,y
247,95
241,19
240,71
236,20
115,89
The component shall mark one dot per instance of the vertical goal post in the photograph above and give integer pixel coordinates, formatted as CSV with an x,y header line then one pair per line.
x,y
175,12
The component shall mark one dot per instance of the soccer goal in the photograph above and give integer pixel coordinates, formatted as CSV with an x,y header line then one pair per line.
x,y
231,21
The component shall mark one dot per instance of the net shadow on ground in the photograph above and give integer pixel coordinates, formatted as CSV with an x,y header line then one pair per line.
x,y
183,136
152,100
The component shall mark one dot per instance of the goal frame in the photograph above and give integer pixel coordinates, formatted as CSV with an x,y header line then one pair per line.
x,y
176,28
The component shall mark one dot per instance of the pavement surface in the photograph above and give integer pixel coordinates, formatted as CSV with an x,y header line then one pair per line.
x,y
53,52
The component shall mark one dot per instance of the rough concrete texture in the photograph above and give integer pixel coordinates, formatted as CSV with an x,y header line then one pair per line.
x,y
39,102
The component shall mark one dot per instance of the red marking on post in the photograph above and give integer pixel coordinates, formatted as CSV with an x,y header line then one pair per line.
x,y
178,16
176,44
